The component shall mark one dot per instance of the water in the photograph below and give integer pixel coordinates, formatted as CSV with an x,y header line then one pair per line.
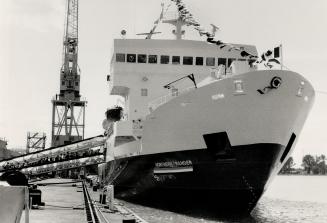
x,y
288,199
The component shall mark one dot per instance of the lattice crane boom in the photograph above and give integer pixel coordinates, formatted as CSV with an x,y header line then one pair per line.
x,y
67,106
70,43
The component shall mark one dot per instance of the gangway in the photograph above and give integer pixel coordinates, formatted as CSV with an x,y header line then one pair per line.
x,y
78,154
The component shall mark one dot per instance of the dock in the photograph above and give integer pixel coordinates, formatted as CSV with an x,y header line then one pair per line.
x,y
70,201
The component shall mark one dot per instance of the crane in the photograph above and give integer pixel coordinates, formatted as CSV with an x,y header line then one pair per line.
x,y
68,110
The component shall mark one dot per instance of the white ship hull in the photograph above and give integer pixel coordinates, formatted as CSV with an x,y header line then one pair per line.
x,y
248,117
226,140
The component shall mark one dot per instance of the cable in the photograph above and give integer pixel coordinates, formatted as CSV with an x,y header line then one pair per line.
x,y
67,207
321,92
54,183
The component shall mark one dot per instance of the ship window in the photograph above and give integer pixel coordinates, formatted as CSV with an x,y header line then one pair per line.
x,y
120,57
164,59
199,61
144,92
176,60
230,61
76,83
222,61
62,82
152,58
131,58
187,60
210,61
241,59
141,58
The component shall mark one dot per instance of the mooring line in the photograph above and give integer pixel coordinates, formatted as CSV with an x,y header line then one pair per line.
x,y
254,197
102,215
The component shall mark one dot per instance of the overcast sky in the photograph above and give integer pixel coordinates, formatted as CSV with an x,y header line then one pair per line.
x,y
31,33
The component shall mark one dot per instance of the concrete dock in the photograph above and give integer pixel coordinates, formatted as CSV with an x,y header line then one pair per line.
x,y
65,203
120,214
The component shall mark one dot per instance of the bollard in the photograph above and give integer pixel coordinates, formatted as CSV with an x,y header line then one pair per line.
x,y
110,196
103,198
95,188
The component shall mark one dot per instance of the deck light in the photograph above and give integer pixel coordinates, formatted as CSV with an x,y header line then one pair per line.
x,y
300,90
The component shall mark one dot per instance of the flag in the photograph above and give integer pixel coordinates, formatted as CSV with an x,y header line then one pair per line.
x,y
277,52
274,60
268,53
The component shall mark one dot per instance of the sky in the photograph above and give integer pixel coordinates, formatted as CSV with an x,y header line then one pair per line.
x,y
31,34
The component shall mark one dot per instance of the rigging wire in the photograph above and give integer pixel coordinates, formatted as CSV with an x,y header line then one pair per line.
x,y
321,92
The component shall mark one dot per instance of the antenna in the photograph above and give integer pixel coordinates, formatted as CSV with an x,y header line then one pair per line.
x,y
152,31
178,23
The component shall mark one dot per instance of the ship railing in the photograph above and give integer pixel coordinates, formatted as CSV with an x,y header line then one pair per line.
x,y
153,105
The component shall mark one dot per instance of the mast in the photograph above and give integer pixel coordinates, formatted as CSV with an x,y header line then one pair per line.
x,y
68,113
178,23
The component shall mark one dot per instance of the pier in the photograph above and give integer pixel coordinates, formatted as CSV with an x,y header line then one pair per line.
x,y
75,201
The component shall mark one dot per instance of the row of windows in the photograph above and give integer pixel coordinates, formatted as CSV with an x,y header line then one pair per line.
x,y
69,83
165,59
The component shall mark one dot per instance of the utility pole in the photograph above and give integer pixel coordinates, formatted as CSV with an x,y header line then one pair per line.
x,y
68,110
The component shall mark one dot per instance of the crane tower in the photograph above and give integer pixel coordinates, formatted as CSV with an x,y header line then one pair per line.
x,y
68,110
35,142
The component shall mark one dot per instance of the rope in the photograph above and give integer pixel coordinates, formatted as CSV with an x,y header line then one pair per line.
x,y
254,197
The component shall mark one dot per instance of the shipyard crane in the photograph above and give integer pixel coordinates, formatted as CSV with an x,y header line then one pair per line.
x,y
68,110
69,149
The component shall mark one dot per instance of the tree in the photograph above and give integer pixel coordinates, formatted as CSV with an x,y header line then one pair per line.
x,y
308,162
288,166
321,165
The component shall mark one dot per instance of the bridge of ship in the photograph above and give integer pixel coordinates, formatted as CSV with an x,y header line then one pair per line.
x,y
78,154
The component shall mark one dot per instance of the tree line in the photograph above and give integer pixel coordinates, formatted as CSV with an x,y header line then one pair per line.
x,y
310,165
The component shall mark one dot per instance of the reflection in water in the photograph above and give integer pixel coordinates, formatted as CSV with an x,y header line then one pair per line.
x,y
275,210
267,211
283,202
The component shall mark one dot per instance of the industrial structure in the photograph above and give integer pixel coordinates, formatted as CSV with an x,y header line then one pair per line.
x,y
87,152
69,149
68,110
35,141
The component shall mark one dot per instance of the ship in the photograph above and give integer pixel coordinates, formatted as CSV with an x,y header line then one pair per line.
x,y
198,124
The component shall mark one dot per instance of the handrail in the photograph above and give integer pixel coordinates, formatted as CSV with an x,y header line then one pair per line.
x,y
166,98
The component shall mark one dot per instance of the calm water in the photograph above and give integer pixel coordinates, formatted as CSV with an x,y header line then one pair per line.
x,y
288,199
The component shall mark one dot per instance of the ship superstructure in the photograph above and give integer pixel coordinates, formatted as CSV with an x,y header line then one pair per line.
x,y
198,121
142,68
